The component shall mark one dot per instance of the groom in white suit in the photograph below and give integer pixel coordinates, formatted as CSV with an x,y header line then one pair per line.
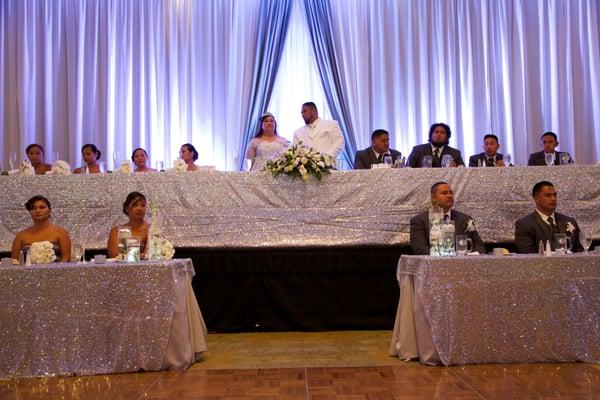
x,y
322,135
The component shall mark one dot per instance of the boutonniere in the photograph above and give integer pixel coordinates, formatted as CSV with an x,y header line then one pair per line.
x,y
470,226
570,228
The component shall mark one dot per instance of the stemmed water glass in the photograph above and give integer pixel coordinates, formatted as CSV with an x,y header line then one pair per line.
x,y
549,158
116,160
78,251
585,237
12,160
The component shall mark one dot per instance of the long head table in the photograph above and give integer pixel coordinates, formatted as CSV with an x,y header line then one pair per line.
x,y
513,309
248,210
62,319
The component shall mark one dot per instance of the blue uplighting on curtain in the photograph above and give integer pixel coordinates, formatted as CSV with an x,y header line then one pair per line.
x,y
273,24
320,26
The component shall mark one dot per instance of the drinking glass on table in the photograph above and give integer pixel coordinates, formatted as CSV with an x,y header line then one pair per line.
x,y
447,160
78,251
116,160
585,237
12,160
426,162
133,249
562,243
549,158
464,245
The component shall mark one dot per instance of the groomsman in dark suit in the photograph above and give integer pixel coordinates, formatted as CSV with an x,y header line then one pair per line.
x,y
544,222
549,143
439,137
490,156
443,197
380,140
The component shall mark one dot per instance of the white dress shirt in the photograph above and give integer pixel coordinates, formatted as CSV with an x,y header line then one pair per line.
x,y
322,135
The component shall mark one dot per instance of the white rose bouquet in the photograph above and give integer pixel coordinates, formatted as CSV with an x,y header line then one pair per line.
x,y
470,226
61,167
26,168
301,161
179,165
166,249
42,252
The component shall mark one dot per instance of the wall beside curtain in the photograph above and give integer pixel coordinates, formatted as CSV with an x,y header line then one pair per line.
x,y
159,73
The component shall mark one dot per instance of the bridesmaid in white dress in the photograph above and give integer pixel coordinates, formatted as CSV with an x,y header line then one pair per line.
x,y
266,144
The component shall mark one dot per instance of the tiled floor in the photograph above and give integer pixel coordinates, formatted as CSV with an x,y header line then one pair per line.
x,y
317,366
405,381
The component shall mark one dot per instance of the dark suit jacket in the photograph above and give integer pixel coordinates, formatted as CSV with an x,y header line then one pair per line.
x,y
530,229
415,157
482,156
539,158
419,232
363,159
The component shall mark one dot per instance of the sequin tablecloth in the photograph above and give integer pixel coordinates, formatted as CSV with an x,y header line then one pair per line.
x,y
347,208
513,309
64,319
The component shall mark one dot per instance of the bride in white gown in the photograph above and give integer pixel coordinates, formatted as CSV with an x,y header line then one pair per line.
x,y
266,144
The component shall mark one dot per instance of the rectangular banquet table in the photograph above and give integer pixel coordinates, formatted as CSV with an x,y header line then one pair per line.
x,y
511,309
217,210
63,319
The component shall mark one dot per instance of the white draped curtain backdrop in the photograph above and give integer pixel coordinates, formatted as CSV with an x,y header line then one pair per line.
x,y
160,73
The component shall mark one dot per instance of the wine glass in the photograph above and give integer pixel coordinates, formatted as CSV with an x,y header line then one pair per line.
x,y
447,160
102,167
387,160
507,158
160,166
78,251
116,160
12,160
549,158
585,237
55,157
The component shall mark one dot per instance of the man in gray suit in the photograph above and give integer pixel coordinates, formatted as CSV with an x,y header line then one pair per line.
x,y
443,197
437,148
549,143
544,222
380,140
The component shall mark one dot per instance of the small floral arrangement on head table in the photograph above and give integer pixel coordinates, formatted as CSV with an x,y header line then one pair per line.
x,y
125,167
42,252
179,166
26,168
300,161
61,167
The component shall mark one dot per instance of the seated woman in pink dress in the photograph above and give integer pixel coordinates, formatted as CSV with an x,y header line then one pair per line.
x,y
135,209
91,155
35,154
42,230
140,161
189,154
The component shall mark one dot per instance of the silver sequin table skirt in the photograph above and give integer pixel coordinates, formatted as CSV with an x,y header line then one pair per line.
x,y
485,309
254,210
82,319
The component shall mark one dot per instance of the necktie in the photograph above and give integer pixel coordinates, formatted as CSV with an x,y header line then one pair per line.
x,y
380,158
436,153
553,227
446,218
490,162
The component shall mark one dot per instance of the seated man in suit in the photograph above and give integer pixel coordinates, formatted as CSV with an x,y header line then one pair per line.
x,y
439,137
544,222
490,156
549,143
443,197
375,154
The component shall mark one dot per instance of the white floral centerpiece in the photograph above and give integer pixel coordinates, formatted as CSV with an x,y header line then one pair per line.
x,y
42,252
301,161
179,166
166,248
160,248
61,167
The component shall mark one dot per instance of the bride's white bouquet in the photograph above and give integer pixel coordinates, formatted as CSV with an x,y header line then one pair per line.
x,y
61,167
301,161
42,252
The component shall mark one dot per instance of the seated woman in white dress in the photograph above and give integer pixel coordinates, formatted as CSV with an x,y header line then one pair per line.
x,y
42,230
266,144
